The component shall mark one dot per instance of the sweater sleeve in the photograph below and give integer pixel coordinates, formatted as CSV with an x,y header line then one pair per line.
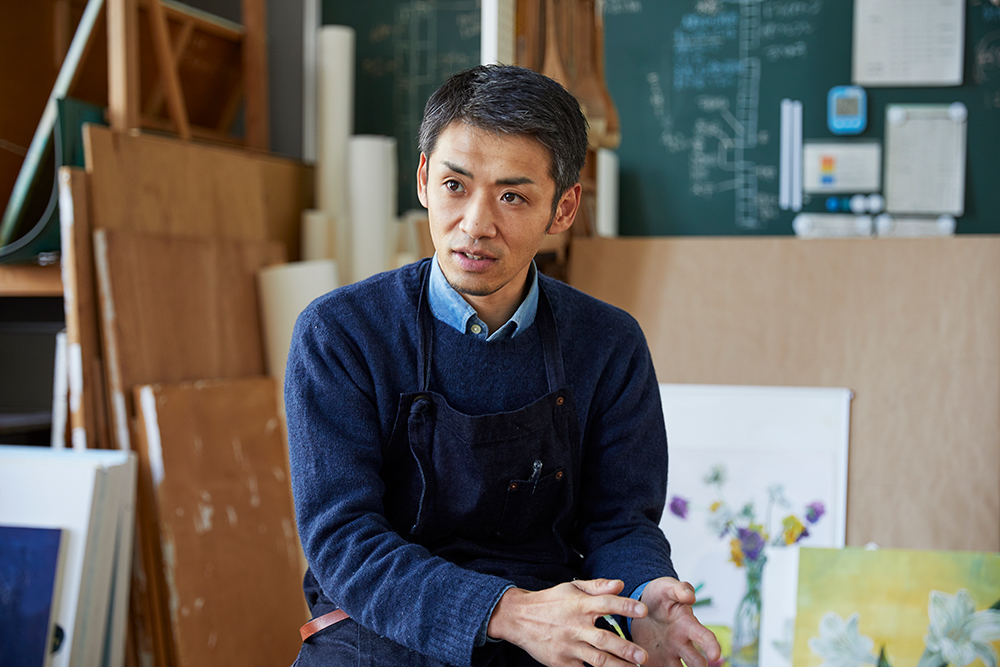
x,y
389,585
625,470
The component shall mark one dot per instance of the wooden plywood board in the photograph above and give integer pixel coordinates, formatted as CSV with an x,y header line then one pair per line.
x,y
911,326
176,309
172,309
159,184
219,468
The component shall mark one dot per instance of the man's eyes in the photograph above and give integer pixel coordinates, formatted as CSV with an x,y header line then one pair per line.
x,y
511,198
453,185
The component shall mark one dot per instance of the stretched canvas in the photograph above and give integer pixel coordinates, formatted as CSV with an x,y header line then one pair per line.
x,y
30,559
753,470
896,607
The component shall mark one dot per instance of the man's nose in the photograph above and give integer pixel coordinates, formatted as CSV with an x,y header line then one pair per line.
x,y
479,217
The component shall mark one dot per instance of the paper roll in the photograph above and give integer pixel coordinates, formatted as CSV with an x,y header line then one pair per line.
x,y
607,193
284,291
335,124
372,195
319,235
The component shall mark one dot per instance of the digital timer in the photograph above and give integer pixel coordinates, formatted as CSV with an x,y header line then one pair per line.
x,y
847,110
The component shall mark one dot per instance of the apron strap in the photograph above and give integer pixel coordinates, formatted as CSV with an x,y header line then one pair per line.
x,y
425,325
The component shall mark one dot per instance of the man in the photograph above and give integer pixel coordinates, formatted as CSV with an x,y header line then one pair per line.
x,y
478,451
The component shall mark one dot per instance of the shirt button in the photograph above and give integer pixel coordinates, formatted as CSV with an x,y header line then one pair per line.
x,y
476,329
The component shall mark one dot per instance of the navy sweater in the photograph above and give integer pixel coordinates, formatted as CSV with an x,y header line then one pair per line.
x,y
354,353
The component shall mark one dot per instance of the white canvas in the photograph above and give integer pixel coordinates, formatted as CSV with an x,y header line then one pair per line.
x,y
74,490
765,439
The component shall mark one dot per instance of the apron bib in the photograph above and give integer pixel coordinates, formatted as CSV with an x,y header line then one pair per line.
x,y
494,492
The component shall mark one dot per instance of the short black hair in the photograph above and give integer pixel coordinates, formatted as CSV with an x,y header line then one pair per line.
x,y
505,99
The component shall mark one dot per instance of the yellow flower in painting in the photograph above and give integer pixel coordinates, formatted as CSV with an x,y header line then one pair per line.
x,y
737,552
793,529
715,507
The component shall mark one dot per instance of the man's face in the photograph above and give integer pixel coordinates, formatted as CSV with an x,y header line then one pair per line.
x,y
489,200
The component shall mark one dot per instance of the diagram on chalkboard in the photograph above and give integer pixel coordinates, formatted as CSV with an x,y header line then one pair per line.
x,y
718,54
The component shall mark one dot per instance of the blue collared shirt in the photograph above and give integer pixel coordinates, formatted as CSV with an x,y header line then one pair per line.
x,y
448,306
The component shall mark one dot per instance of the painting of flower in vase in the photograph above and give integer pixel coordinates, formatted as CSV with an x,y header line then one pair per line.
x,y
752,470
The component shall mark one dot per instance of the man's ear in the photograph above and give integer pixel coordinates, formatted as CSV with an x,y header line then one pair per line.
x,y
566,210
422,181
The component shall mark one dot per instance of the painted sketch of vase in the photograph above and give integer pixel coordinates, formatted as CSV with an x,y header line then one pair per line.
x,y
746,625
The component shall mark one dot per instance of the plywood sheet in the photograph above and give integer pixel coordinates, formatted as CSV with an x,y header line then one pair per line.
x,y
158,184
219,468
911,326
176,309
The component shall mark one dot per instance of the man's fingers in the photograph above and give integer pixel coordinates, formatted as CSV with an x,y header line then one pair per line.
x,y
708,642
613,649
599,586
604,599
682,591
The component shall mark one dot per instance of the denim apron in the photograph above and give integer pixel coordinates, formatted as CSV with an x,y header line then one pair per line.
x,y
494,493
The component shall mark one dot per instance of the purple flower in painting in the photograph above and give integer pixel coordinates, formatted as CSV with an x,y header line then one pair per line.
x,y
679,507
814,511
751,542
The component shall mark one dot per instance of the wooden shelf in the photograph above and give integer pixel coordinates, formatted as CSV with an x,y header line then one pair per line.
x,y
30,280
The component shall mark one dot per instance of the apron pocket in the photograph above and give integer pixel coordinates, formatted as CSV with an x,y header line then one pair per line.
x,y
529,509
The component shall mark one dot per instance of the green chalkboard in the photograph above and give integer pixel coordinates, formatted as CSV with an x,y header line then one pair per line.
x,y
405,50
685,74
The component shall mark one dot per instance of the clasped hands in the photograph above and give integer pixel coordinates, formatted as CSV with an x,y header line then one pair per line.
x,y
556,625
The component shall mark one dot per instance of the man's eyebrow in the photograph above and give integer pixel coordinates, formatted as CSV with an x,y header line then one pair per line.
x,y
458,170
516,180
513,180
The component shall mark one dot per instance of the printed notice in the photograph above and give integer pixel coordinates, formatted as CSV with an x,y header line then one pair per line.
x,y
925,149
908,42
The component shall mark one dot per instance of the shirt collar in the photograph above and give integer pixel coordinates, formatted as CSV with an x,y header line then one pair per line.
x,y
448,306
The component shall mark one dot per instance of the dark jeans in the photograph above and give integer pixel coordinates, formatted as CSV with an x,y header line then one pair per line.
x,y
348,644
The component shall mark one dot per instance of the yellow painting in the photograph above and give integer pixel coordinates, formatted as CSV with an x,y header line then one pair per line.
x,y
897,608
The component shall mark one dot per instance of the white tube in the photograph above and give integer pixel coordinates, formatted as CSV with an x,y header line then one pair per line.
x,y
335,124
284,291
607,193
373,186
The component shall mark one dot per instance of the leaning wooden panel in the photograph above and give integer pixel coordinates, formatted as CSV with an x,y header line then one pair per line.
x,y
88,410
226,520
159,184
176,309
912,326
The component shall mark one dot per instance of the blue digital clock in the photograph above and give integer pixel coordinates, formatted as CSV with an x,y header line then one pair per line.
x,y
847,110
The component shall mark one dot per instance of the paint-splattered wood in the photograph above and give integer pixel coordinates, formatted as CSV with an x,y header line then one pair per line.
x,y
143,182
911,326
88,409
172,309
218,463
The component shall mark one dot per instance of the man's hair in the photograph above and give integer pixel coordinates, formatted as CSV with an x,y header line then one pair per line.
x,y
512,100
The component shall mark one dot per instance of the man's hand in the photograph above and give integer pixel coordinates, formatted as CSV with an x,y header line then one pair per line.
x,y
670,632
556,626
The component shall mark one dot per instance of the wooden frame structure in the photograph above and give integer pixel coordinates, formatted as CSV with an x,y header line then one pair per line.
x,y
171,30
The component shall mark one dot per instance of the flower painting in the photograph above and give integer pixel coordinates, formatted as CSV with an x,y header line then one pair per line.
x,y
753,471
895,608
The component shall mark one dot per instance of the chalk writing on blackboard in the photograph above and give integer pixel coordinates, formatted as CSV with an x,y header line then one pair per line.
x,y
622,7
719,52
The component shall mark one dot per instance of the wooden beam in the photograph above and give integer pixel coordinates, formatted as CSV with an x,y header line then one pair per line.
x,y
158,95
168,70
30,280
255,77
123,64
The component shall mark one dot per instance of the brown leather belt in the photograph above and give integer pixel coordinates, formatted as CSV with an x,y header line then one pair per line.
x,y
321,622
